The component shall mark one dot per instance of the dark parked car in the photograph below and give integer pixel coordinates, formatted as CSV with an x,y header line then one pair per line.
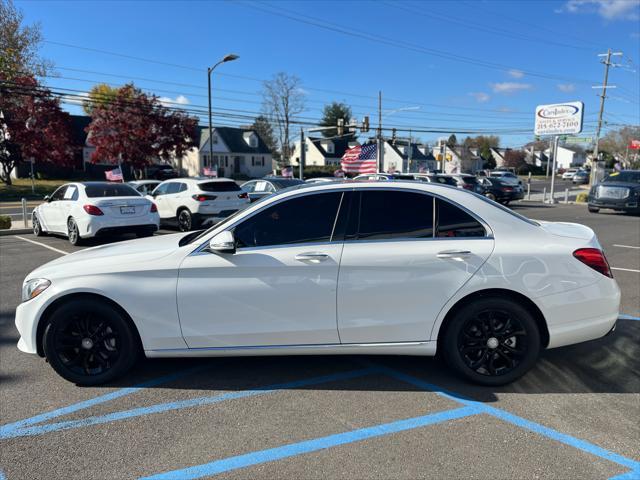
x,y
161,172
580,177
618,191
263,187
499,190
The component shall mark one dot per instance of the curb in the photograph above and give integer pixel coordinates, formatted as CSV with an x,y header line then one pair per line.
x,y
15,231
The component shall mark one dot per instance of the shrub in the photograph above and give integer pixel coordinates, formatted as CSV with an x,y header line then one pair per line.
x,y
5,222
582,197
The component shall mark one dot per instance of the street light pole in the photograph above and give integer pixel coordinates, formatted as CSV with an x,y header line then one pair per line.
x,y
227,58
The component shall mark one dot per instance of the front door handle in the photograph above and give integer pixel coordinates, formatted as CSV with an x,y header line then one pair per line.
x,y
312,257
454,254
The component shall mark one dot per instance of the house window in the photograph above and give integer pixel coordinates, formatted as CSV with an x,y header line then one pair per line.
x,y
330,148
226,161
253,142
215,138
263,161
206,159
253,161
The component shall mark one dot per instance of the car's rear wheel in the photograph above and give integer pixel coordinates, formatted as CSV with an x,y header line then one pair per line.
x,y
185,220
490,196
492,341
37,226
73,233
593,209
88,342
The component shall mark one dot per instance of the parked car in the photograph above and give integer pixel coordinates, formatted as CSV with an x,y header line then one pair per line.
x,y
257,189
194,202
618,191
423,268
506,176
323,179
385,176
569,173
161,171
93,209
468,182
144,187
580,177
441,178
499,190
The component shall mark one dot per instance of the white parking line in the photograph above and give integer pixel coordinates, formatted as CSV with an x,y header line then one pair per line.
x,y
626,269
627,246
42,245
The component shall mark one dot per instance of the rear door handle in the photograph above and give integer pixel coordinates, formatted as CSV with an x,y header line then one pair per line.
x,y
312,257
454,254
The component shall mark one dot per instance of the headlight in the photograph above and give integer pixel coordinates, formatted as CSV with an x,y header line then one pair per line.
x,y
33,288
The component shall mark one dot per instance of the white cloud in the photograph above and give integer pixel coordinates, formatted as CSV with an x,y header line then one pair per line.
x,y
607,9
171,102
481,97
515,73
566,87
510,87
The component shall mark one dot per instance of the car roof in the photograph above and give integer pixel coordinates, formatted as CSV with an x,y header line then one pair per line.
x,y
143,182
197,180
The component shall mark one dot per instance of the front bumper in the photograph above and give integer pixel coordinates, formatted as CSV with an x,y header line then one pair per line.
x,y
629,203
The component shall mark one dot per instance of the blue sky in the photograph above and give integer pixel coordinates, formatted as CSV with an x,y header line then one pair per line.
x,y
464,65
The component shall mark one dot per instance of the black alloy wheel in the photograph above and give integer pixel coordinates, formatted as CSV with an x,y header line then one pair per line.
x,y
492,341
88,342
73,234
185,220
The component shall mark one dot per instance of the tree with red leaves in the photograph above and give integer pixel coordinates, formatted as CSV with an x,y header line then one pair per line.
x,y
515,159
136,129
32,126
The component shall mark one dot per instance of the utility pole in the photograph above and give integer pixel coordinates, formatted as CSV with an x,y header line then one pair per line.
x,y
303,153
410,153
380,141
607,64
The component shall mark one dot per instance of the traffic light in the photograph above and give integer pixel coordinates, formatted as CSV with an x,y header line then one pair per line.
x,y
365,124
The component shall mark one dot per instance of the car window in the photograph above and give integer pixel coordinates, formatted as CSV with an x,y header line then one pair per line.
x,y
183,187
249,187
173,187
59,193
388,214
261,186
625,176
161,189
109,190
306,219
219,187
452,221
71,193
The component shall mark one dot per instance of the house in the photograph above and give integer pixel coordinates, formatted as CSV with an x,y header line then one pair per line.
x,y
323,152
568,157
458,159
237,152
498,155
404,156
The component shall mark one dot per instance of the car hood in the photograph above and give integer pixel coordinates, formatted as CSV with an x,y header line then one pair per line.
x,y
121,256
619,184
565,229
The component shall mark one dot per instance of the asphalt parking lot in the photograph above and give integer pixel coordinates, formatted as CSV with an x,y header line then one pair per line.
x,y
575,415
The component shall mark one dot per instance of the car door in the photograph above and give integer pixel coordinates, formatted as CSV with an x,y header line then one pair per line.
x,y
50,212
278,288
173,198
66,204
164,209
405,255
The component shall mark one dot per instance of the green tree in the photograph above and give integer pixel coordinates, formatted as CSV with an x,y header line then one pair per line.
x,y
262,126
333,112
484,144
99,96
19,45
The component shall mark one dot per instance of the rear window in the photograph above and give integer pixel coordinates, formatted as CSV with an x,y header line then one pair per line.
x,y
110,190
219,187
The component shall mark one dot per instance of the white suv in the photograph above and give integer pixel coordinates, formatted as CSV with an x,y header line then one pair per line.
x,y
194,202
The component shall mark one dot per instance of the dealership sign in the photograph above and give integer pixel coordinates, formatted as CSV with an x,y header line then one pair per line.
x,y
559,119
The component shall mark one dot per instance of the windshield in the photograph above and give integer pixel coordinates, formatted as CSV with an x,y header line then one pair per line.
x,y
627,176
284,183
110,190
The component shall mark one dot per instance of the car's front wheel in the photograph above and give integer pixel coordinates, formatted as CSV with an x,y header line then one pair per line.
x,y
492,341
593,209
88,342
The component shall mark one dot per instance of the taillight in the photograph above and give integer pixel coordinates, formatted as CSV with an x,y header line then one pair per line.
x,y
507,189
594,258
199,197
243,195
154,208
92,210
467,186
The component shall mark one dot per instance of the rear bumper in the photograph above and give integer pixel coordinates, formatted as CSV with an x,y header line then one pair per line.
x,y
104,225
137,229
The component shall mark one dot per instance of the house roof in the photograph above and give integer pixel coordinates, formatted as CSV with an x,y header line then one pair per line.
x,y
340,145
416,154
233,138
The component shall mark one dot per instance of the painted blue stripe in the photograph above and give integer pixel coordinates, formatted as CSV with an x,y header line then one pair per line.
x,y
632,475
8,430
624,316
519,421
300,448
178,405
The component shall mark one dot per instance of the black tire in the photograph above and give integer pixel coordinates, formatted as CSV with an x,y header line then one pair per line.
x,y
491,341
73,234
185,220
37,226
490,196
88,342
593,209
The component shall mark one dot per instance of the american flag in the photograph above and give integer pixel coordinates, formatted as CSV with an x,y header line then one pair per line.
x,y
287,172
360,159
114,175
210,172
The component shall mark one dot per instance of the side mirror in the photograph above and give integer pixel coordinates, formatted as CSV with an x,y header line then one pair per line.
x,y
47,198
224,242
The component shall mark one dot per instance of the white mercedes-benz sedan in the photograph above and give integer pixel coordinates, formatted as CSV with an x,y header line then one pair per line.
x,y
91,209
406,268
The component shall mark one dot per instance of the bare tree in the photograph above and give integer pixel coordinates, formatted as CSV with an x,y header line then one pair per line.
x,y
282,100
